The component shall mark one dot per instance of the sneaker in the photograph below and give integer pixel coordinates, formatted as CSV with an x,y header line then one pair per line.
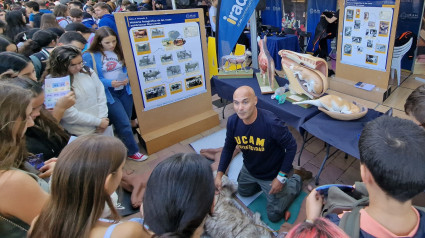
x,y
303,173
138,157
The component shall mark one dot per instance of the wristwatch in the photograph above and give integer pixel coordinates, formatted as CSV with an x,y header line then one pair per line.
x,y
282,178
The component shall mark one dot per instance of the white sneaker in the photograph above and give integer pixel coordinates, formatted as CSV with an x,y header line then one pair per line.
x,y
138,157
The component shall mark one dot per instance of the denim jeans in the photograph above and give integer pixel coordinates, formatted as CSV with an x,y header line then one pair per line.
x,y
119,114
276,203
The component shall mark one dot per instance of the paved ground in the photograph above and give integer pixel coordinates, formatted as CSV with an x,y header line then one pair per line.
x,y
337,169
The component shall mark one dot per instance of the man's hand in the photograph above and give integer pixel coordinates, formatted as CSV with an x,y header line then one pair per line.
x,y
314,204
47,169
276,186
218,180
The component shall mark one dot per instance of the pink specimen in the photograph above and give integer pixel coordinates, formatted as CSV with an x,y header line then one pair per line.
x,y
266,62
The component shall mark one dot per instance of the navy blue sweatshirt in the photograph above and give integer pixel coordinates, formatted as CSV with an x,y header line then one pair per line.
x,y
267,145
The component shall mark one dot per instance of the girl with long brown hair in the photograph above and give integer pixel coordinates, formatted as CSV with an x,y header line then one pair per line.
x,y
46,138
21,193
105,56
47,21
88,171
89,114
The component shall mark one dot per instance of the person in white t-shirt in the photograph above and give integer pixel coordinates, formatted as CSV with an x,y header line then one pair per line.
x,y
213,14
106,57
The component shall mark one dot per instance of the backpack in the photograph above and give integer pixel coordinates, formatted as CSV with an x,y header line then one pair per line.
x,y
339,201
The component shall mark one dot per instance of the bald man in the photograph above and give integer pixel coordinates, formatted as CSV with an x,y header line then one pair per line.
x,y
268,150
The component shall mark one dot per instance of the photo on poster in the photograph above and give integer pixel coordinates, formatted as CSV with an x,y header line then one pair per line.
x,y
369,44
385,15
366,16
359,49
166,58
173,44
373,32
380,48
357,24
190,31
347,31
191,67
173,71
147,61
194,82
184,55
350,15
372,59
367,33
357,13
176,87
384,28
347,49
140,35
155,93
151,75
356,39
371,24
157,32
143,48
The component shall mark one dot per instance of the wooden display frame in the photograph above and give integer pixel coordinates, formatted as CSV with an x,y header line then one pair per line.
x,y
169,124
346,76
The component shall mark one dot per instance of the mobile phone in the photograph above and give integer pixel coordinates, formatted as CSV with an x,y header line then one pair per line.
x,y
323,190
36,161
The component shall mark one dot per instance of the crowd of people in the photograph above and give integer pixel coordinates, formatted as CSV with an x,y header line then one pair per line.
x,y
52,187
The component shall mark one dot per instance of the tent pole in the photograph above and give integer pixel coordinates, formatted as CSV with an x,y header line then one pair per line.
x,y
254,44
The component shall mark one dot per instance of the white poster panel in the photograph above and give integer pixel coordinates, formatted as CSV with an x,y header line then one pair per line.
x,y
366,36
167,50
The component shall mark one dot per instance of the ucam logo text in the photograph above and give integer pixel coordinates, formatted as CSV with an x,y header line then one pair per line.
x,y
235,12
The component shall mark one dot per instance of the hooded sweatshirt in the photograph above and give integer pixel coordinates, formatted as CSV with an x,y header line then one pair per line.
x,y
108,20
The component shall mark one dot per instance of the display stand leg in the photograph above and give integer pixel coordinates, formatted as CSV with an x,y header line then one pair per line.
x,y
328,147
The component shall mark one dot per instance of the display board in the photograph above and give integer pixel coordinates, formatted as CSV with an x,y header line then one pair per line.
x,y
373,64
166,57
169,56
366,33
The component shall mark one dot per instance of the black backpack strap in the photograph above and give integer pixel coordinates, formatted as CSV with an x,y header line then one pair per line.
x,y
350,223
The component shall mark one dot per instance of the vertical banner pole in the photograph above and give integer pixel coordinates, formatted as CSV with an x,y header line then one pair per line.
x,y
254,45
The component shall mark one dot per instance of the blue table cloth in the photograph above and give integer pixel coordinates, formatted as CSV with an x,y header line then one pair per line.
x,y
293,115
343,135
276,43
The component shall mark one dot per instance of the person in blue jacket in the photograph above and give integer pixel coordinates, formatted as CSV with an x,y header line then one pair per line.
x,y
102,10
105,56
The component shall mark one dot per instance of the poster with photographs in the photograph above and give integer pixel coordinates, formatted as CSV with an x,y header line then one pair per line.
x,y
168,53
366,34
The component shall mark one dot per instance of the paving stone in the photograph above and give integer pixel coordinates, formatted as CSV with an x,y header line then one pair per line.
x,y
350,176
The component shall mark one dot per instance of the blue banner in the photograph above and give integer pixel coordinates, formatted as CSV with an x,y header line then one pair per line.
x,y
409,19
369,3
233,15
314,10
273,13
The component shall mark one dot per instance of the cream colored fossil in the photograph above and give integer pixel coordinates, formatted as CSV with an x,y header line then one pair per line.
x,y
306,74
337,108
